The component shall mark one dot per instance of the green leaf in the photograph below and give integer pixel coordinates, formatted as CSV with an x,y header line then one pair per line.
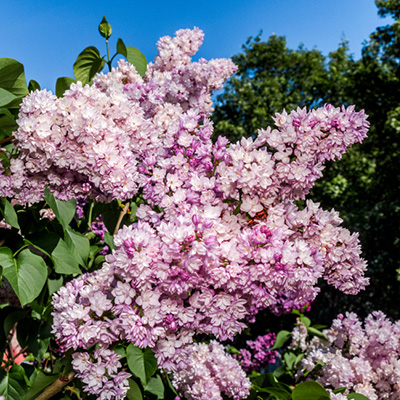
x,y
120,350
10,215
105,28
12,77
26,274
6,112
45,241
7,120
299,358
109,240
233,350
12,319
64,259
135,57
277,393
39,384
305,321
315,332
267,383
357,396
170,385
63,84
54,285
156,386
79,245
281,338
121,48
134,392
12,383
280,371
33,85
6,97
339,390
290,359
317,326
264,380
141,362
64,210
310,391
88,64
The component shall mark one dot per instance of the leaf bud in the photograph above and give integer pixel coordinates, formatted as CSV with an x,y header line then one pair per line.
x,y
105,28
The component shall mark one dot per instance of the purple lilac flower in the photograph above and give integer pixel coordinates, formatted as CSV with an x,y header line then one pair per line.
x,y
257,355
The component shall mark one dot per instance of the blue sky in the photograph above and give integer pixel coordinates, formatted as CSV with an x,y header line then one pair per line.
x,y
46,36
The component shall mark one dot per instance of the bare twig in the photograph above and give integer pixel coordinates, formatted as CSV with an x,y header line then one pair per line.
x,y
121,215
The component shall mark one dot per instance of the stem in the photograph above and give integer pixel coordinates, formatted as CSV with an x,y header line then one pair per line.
x,y
8,139
121,215
108,56
23,247
56,386
20,352
90,215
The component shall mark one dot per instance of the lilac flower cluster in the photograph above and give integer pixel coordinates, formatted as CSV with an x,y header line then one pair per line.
x,y
93,141
363,358
99,229
219,236
298,148
257,355
100,373
209,372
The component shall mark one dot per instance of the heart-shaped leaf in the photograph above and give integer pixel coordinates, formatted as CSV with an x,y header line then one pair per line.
x,y
141,362
63,84
26,274
88,64
12,77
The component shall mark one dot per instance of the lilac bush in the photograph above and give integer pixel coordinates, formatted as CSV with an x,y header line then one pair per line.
x,y
219,234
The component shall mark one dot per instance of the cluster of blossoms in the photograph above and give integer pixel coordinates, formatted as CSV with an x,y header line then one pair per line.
x,y
101,374
94,141
258,355
218,237
363,358
207,373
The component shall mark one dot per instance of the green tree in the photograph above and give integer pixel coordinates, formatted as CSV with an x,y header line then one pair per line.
x,y
365,184
271,77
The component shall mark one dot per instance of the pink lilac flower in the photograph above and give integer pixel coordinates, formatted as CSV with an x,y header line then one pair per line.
x,y
362,357
218,237
208,372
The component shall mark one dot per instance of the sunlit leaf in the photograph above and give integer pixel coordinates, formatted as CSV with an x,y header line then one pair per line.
x,y
137,58
88,64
